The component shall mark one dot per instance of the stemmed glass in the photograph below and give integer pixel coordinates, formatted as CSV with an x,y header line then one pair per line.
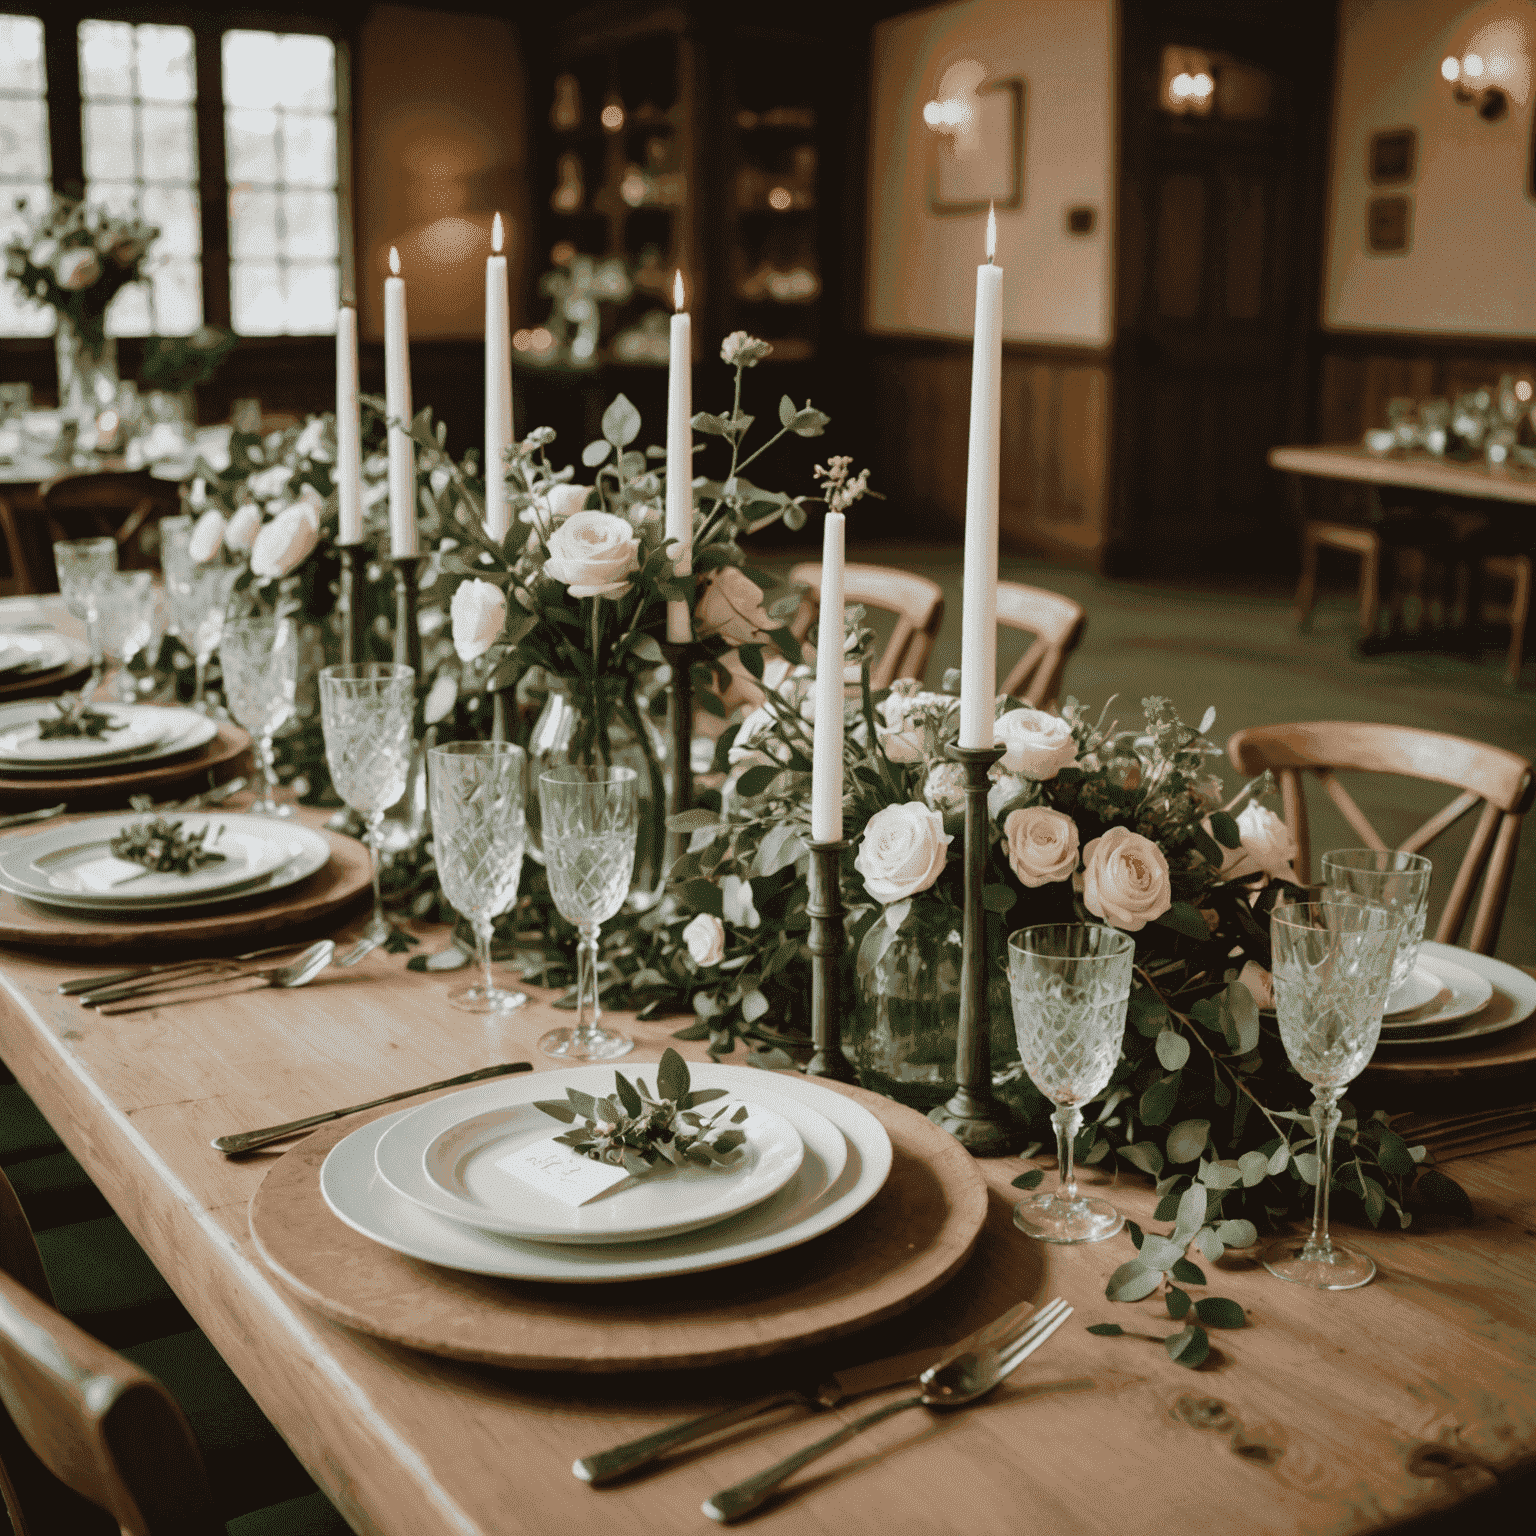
x,y
260,657
591,817
81,564
1333,964
1392,879
477,834
127,603
1071,983
366,712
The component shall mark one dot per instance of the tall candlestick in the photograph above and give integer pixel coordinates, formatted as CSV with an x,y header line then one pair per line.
x,y
978,630
403,539
349,448
827,761
680,459
498,387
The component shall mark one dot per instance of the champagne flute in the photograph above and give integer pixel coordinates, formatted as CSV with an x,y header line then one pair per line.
x,y
591,817
1071,983
81,564
260,657
477,835
1333,965
366,712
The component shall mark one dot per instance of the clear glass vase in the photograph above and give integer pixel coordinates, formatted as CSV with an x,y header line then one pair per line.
x,y
87,373
616,729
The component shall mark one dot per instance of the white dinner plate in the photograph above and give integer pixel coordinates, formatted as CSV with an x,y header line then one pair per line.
x,y
1458,992
21,654
1510,999
133,730
171,732
72,866
1420,986
810,1204
446,1160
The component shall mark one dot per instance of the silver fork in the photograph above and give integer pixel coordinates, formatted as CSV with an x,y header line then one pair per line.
x,y
953,1385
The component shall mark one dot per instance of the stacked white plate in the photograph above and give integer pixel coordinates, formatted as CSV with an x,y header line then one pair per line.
x,y
139,735
23,654
1453,995
430,1182
73,867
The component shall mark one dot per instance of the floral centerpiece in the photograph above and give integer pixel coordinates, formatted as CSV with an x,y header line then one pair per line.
x,y
76,259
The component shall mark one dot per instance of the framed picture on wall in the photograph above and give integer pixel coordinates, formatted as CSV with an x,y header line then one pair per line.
x,y
978,148
1393,157
1388,225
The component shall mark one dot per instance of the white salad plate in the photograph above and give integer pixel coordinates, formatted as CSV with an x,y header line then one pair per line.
x,y
818,1198
450,1163
1480,996
73,867
32,653
153,734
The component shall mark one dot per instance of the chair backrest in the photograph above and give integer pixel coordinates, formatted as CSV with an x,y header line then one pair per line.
x,y
105,505
19,580
1500,782
1056,622
80,1415
917,603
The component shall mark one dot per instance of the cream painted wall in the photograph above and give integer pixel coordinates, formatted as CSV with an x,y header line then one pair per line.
x,y
922,267
1471,266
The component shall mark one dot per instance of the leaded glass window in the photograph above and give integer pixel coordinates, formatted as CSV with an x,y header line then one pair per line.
x,y
24,158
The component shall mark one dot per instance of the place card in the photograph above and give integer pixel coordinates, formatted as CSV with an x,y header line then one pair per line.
x,y
557,1171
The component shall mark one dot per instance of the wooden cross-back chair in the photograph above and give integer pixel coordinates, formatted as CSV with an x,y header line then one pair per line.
x,y
109,506
20,579
1057,624
81,1415
917,603
1500,782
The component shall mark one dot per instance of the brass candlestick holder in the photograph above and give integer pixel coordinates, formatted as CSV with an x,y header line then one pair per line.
x,y
972,1116
680,724
826,945
407,631
351,613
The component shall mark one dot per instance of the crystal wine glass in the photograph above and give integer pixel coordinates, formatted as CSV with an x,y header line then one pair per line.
x,y
591,817
1333,964
1071,983
366,711
477,834
1392,879
260,658
81,564
199,596
127,603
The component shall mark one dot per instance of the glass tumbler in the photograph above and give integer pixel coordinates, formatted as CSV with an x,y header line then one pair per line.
x,y
81,564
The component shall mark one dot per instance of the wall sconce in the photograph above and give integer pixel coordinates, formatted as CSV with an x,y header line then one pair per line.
x,y
1188,87
1493,71
1466,77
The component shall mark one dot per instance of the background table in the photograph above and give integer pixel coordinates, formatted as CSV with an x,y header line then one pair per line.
x,y
1331,1414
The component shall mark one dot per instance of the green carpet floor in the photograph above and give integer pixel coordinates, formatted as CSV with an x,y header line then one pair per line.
x,y
1236,649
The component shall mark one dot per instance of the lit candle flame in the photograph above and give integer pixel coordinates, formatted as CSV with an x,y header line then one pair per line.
x,y
991,232
496,234
677,291
394,261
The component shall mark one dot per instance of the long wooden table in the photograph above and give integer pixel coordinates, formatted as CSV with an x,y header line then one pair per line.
x,y
1416,472
1329,1414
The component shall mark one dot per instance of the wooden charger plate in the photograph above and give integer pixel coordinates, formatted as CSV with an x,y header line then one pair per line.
x,y
212,763
902,1246
346,878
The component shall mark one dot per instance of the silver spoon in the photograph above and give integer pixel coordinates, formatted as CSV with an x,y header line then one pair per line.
x,y
299,973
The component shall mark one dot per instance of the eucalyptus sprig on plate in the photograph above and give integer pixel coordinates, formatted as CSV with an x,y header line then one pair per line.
x,y
163,848
638,1130
76,718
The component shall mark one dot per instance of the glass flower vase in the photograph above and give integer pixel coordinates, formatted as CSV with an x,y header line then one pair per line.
x,y
88,377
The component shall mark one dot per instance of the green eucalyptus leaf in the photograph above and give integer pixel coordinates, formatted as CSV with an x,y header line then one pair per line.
x,y
1161,1253
1030,1179
559,1108
1189,1274
1191,1348
1254,1167
1185,919
1178,1302
671,1075
1308,1165
1224,829
1186,1141
1209,1244
621,422
1278,1159
1238,1234
997,898
1218,1312
1192,1208
1106,1330
627,1095
595,452
1172,1049
1146,1155
1132,1281
1157,1104
1393,1154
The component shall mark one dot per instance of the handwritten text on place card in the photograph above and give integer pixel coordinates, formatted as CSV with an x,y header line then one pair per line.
x,y
561,1173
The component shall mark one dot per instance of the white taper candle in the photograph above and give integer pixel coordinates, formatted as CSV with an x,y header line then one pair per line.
x,y
827,758
498,387
679,520
978,629
349,449
403,537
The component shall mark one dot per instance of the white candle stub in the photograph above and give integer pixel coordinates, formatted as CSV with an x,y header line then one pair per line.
x,y
557,1171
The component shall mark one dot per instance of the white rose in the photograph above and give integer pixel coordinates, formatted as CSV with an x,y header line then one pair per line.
x,y
1267,845
78,268
905,712
731,606
1042,845
479,611
243,527
1125,879
944,789
267,483
902,851
705,938
593,554
207,536
736,899
311,440
441,698
565,500
44,252
286,541
1039,745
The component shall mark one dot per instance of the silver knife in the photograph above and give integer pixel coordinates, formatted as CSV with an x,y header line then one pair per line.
x,y
827,1393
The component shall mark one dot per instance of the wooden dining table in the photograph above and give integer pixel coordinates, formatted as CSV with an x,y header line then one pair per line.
x,y
1327,1413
